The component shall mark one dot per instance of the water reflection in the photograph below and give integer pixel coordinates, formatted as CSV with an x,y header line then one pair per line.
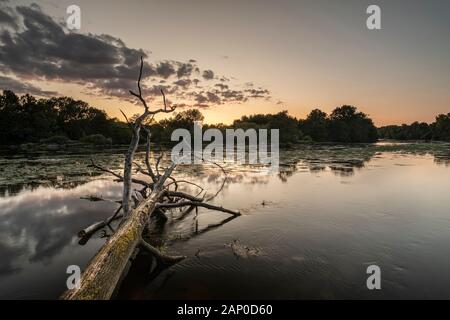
x,y
68,170
381,205
37,225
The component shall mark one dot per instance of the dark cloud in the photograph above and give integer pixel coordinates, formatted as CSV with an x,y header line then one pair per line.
x,y
185,70
155,90
208,74
8,18
213,98
258,93
184,83
200,98
41,49
165,69
234,95
22,87
221,86
34,46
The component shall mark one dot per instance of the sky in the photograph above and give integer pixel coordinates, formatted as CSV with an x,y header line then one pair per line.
x,y
235,57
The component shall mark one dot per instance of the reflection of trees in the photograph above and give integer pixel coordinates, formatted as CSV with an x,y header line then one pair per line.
x,y
339,159
53,171
70,170
442,159
37,224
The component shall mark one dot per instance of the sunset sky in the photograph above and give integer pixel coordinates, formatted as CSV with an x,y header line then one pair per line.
x,y
235,57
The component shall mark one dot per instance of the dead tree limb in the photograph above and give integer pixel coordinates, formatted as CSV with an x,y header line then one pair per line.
x,y
104,271
162,258
147,155
102,275
196,204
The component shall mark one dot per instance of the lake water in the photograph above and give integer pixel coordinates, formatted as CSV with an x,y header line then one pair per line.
x,y
309,231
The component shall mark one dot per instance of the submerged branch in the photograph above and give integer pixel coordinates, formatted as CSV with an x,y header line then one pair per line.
x,y
161,257
197,204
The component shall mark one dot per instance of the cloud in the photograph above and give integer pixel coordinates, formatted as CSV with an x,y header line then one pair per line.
x,y
221,86
208,74
165,69
22,87
234,96
155,90
34,46
258,93
185,70
207,97
41,49
8,18
184,83
213,98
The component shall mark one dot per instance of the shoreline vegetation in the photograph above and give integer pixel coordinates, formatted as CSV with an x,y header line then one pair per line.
x,y
29,123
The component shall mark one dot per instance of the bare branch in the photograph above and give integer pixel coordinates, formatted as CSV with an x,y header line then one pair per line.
x,y
95,198
147,155
100,278
162,258
174,181
118,176
86,233
197,204
184,181
139,95
183,195
126,118
158,161
224,180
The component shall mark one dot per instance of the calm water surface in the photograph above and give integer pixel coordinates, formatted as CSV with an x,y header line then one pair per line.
x,y
309,231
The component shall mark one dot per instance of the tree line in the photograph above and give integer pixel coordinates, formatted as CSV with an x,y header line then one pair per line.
x,y
28,119
344,124
61,119
438,130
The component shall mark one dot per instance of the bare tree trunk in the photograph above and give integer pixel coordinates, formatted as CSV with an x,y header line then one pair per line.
x,y
104,271
127,170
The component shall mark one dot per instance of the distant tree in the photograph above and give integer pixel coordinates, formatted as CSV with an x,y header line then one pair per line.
x,y
27,119
315,125
162,130
441,127
346,124
438,130
288,125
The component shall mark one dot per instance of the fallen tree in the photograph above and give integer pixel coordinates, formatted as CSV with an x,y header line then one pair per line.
x,y
103,274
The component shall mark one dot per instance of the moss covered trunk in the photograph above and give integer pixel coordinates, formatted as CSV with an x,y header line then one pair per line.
x,y
103,273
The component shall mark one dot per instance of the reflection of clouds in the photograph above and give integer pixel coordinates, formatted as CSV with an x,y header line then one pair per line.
x,y
9,252
36,225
